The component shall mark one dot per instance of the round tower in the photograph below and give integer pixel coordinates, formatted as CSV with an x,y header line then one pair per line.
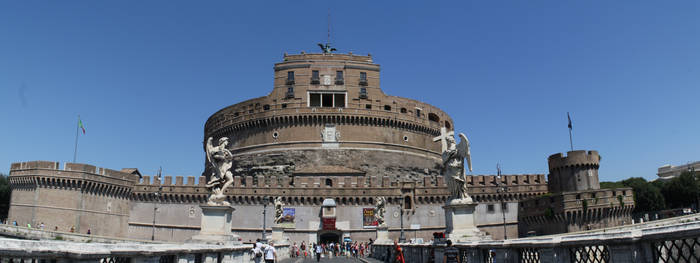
x,y
577,171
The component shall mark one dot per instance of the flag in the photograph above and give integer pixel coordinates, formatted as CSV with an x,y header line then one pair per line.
x,y
80,125
567,115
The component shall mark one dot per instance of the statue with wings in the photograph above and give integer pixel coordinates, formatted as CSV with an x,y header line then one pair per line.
x,y
380,206
453,156
222,160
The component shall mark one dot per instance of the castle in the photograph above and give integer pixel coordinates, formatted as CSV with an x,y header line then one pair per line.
x,y
326,131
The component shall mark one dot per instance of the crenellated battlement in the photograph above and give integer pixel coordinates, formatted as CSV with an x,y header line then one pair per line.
x,y
32,174
573,159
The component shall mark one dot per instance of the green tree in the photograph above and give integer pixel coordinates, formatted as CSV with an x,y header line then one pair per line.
x,y
4,197
647,196
681,191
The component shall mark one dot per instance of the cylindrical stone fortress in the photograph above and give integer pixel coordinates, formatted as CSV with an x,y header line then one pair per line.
x,y
327,114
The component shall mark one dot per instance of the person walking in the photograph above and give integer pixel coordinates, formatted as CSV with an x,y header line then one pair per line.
x,y
270,253
257,251
398,258
303,248
319,250
451,254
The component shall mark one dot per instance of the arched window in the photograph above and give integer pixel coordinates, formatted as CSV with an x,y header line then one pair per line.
x,y
329,182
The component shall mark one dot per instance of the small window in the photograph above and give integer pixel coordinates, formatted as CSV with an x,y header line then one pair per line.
x,y
387,108
624,192
403,110
363,76
339,75
284,105
592,195
433,117
290,89
407,203
363,93
290,75
315,78
418,113
448,126
266,107
329,182
250,111
578,197
236,114
490,208
368,106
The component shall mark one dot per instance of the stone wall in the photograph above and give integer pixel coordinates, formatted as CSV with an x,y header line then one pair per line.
x,y
79,195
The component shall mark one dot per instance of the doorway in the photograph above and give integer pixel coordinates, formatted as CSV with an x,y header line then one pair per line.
x,y
329,236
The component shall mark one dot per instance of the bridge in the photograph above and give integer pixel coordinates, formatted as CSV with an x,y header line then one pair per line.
x,y
672,240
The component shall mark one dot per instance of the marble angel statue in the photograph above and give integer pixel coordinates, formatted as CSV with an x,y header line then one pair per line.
x,y
279,211
453,155
222,161
380,206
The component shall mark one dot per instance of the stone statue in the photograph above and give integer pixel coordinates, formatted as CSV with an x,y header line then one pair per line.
x,y
453,156
222,160
380,205
279,213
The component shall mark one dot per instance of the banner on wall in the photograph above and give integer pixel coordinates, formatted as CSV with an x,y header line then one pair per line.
x,y
288,215
368,219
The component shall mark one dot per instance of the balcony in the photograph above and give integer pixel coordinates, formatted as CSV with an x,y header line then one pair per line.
x,y
315,80
289,81
289,95
339,81
363,82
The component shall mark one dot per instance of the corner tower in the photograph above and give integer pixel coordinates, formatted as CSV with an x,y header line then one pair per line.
x,y
577,171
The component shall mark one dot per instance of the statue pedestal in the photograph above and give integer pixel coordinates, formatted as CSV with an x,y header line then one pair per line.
x,y
278,237
460,221
383,235
216,226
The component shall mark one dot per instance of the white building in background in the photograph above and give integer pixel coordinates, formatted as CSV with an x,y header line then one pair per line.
x,y
668,171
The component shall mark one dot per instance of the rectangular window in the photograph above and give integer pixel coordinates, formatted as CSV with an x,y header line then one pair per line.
x,y
418,113
339,80
490,209
363,76
315,77
368,106
290,75
327,100
339,100
315,100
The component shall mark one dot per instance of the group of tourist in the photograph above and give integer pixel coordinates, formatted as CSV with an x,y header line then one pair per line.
x,y
330,249
265,252
42,226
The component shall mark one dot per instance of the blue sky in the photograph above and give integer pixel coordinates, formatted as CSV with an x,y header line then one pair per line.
x,y
145,75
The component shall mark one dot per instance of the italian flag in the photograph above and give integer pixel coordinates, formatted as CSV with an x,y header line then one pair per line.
x,y
80,124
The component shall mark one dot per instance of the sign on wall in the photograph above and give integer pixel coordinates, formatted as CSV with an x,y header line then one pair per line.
x,y
368,219
288,215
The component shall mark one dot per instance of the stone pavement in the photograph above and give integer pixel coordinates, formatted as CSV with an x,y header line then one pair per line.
x,y
341,259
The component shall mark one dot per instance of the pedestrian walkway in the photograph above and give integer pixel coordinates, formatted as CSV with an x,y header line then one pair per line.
x,y
340,259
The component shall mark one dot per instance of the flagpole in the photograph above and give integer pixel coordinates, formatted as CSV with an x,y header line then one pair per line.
x,y
75,152
571,142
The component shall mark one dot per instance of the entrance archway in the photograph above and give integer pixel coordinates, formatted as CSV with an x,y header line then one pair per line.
x,y
327,236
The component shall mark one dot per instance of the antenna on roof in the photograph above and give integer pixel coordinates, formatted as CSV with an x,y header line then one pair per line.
x,y
327,49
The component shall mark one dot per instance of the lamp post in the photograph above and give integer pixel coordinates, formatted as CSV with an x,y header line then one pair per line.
x,y
265,201
402,238
501,194
155,202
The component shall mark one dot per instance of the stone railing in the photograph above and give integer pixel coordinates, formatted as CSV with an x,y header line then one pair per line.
x,y
61,251
666,243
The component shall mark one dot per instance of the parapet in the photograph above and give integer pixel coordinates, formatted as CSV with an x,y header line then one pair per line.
x,y
573,158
